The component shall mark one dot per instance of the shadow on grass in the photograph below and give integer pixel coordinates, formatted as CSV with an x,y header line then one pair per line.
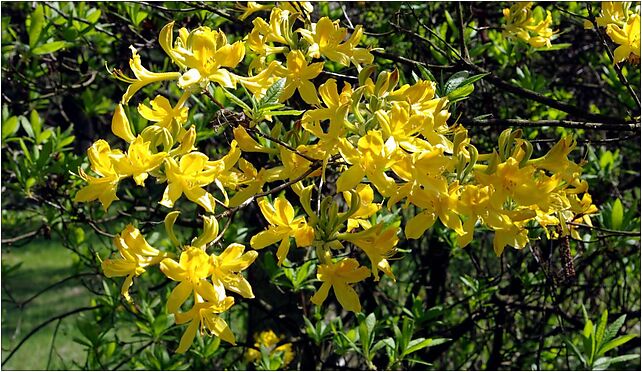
x,y
43,264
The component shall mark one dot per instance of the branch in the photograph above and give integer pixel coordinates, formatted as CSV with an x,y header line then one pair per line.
x,y
10,241
614,232
635,126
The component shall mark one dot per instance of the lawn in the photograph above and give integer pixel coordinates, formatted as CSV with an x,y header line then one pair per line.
x,y
43,263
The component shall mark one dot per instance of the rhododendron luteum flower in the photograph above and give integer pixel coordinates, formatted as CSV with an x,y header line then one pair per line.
x,y
136,254
338,276
283,226
268,340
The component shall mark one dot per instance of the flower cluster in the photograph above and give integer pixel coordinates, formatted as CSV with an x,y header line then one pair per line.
x,y
623,27
268,341
532,26
358,154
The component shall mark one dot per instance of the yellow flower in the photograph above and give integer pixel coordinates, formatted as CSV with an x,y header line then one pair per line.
x,y
203,316
372,158
143,76
191,271
612,12
527,25
188,177
283,226
378,243
226,270
261,82
136,254
509,180
268,340
366,207
297,6
336,110
298,76
120,125
250,8
138,161
192,172
203,53
104,187
339,276
628,39
163,114
327,38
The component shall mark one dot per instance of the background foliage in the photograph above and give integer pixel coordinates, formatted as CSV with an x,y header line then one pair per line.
x,y
450,308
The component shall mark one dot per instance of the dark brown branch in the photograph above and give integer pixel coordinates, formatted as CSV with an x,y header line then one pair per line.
x,y
635,126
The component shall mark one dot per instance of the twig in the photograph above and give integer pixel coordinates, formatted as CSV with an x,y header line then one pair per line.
x,y
10,241
281,143
409,61
615,232
552,123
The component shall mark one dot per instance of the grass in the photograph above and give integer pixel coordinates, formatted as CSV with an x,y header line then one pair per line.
x,y
44,262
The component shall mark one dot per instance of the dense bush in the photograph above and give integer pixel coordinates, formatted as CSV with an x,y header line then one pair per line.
x,y
463,176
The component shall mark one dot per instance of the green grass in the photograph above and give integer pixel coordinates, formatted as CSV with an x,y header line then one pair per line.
x,y
44,262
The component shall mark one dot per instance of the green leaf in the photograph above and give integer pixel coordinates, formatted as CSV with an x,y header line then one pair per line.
x,y
615,343
624,358
460,93
26,125
455,81
613,329
237,101
575,350
37,20
617,214
9,127
36,124
601,327
416,345
389,342
285,113
50,47
272,94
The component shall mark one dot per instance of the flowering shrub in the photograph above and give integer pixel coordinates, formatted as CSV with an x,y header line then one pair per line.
x,y
325,185
384,140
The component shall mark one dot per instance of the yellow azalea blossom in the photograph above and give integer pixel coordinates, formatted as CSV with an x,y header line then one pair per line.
x,y
326,38
274,31
511,233
191,271
143,76
435,205
138,161
372,157
339,276
628,39
261,82
337,107
193,172
226,270
509,180
612,12
120,124
298,76
268,340
297,6
163,114
104,187
379,243
188,176
283,226
521,23
136,254
251,7
366,207
204,316
203,53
